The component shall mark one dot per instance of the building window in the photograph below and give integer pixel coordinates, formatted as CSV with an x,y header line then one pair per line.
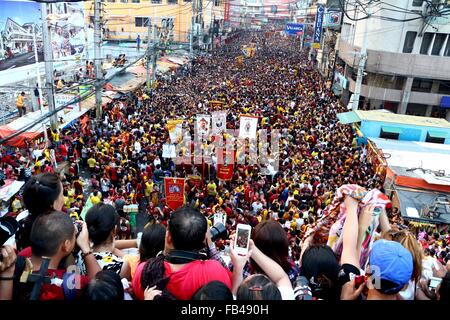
x,y
389,134
156,1
409,41
141,21
172,1
422,85
426,42
124,1
112,1
136,1
435,138
216,3
417,3
444,87
438,43
447,49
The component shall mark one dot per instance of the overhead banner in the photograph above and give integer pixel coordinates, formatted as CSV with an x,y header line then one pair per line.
x,y
318,26
203,124
174,189
248,127
169,151
294,28
175,128
219,122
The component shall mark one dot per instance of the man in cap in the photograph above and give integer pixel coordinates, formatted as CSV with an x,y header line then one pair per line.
x,y
391,268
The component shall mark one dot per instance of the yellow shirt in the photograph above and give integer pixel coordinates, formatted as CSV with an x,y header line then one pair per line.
x,y
212,189
19,101
95,199
148,188
91,162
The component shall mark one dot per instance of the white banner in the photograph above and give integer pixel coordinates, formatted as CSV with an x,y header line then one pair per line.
x,y
203,124
169,151
248,127
219,122
175,128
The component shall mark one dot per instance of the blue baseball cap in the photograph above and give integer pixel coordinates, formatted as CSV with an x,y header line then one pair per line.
x,y
394,262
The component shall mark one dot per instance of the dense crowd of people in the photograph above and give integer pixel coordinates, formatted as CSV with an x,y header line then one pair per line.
x,y
118,163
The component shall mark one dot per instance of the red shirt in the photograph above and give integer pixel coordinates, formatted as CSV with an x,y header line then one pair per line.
x,y
191,277
51,291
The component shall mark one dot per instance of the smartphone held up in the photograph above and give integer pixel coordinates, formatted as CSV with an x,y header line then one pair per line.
x,y
242,239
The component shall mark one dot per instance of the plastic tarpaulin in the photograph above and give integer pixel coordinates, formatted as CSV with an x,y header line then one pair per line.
x,y
445,102
10,188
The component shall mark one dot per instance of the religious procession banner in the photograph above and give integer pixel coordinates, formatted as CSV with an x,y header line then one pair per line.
x,y
219,122
169,151
239,61
203,124
225,164
175,128
248,127
216,103
174,190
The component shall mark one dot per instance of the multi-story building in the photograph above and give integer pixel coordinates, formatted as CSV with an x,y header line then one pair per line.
x,y
407,68
125,19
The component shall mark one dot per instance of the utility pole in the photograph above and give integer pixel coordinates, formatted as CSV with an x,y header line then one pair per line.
x,y
98,60
200,21
191,38
48,59
39,82
362,62
153,57
149,33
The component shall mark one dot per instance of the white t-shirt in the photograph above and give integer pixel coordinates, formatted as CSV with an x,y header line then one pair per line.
x,y
408,293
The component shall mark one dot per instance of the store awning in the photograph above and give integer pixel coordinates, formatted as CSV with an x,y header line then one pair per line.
x,y
438,134
445,102
391,129
348,117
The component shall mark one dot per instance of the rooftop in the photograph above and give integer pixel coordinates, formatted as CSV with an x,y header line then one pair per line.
x,y
382,116
414,154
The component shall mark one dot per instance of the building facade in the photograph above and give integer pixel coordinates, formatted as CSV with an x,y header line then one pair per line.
x,y
407,69
124,20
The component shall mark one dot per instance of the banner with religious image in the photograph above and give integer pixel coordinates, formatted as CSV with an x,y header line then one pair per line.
x,y
174,190
219,122
203,124
175,128
225,164
169,151
248,127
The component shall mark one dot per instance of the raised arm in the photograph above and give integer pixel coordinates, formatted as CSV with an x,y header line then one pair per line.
x,y
92,266
350,234
272,269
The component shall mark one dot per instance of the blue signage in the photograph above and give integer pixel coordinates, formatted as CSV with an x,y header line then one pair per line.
x,y
318,26
294,28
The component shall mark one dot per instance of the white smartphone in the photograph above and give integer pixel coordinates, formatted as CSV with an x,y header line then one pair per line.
x,y
242,239
434,282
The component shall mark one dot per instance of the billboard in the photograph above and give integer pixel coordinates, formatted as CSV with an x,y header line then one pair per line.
x,y
332,19
317,37
294,28
21,30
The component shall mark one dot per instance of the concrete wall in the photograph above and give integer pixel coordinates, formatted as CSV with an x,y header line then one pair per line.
x,y
372,129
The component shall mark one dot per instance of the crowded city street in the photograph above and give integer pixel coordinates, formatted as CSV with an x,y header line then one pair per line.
x,y
232,177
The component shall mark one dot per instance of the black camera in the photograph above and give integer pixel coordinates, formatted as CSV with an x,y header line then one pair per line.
x,y
8,227
79,227
218,231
